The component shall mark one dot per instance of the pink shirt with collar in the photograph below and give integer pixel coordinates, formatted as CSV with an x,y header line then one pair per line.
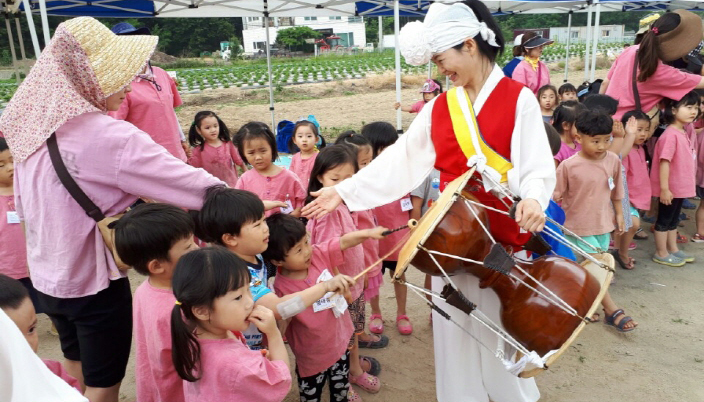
x,y
220,161
280,187
392,216
155,375
114,163
302,168
680,149
152,111
318,340
234,373
533,79
13,250
667,82
335,224
638,178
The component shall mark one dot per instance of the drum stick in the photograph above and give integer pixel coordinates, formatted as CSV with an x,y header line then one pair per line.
x,y
411,224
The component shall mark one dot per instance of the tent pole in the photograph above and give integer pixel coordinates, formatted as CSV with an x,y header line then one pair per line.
x,y
32,30
12,47
380,46
45,22
567,49
19,37
268,65
586,49
397,53
595,39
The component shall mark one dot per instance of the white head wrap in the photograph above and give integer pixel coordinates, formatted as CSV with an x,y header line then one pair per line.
x,y
444,26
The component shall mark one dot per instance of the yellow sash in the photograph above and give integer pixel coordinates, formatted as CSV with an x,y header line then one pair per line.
x,y
464,137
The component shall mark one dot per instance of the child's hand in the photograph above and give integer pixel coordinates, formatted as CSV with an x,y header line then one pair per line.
x,y
397,105
632,126
264,320
339,284
666,196
274,204
617,130
377,232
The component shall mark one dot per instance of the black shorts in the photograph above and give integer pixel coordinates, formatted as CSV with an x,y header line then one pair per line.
x,y
95,330
669,215
390,265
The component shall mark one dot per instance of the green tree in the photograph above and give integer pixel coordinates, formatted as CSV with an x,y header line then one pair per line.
x,y
294,38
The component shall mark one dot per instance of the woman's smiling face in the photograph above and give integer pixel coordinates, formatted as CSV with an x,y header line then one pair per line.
x,y
460,65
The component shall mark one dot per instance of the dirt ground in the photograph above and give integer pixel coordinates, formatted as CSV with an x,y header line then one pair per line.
x,y
662,360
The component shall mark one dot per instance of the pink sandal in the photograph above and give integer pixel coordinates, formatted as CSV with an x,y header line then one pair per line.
x,y
404,329
367,382
353,396
376,328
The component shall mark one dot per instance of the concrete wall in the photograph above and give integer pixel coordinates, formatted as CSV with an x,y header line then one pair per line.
x,y
579,34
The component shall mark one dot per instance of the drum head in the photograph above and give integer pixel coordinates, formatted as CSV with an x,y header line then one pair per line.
x,y
429,222
603,276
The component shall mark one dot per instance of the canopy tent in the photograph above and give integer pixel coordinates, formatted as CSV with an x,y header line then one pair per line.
x,y
297,8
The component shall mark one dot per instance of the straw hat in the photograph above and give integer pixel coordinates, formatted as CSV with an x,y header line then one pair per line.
x,y
83,64
681,40
644,23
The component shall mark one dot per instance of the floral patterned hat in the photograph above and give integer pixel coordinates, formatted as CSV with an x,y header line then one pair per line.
x,y
81,67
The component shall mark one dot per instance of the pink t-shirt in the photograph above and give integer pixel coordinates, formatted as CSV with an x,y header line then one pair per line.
x,y
318,340
302,168
680,149
566,151
367,220
234,373
392,216
667,82
700,159
58,369
638,178
114,163
13,250
152,111
533,79
418,106
588,190
218,161
155,375
335,224
283,186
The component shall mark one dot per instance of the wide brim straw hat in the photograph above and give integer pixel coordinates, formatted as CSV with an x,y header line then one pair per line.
x,y
680,41
645,23
83,64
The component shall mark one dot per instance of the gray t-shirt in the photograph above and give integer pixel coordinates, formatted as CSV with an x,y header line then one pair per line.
x,y
429,190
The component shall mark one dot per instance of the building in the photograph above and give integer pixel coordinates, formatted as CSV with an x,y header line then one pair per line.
x,y
350,29
606,34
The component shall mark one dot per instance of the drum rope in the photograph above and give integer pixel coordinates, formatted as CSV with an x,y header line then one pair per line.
x,y
452,283
476,216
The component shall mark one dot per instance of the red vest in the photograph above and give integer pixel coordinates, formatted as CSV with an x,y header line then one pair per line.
x,y
496,121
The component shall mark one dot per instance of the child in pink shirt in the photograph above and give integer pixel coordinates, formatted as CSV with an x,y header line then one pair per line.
x,y
589,186
213,306
698,126
563,120
257,145
16,303
151,238
305,136
673,177
318,336
431,88
333,165
212,148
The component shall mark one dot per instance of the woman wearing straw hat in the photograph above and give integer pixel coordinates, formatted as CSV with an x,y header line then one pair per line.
x,y
532,72
463,40
150,105
84,72
674,36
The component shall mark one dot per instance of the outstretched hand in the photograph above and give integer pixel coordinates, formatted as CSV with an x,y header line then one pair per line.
x,y
327,199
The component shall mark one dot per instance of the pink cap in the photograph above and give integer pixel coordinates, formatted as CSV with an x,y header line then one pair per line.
x,y
430,86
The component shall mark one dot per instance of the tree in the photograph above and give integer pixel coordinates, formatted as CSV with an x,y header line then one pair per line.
x,y
294,38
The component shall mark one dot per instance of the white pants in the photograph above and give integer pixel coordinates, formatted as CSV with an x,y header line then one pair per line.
x,y
466,371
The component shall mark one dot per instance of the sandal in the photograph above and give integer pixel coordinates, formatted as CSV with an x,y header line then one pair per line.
x,y
641,235
404,329
374,365
376,328
353,396
697,238
682,239
670,261
611,320
367,382
630,265
381,343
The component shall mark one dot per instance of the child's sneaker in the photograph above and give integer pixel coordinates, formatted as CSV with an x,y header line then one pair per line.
x,y
671,260
684,256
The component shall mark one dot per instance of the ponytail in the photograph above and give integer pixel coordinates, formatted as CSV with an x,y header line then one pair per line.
x,y
649,52
185,349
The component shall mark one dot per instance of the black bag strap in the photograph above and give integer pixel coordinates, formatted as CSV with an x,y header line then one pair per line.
x,y
634,81
72,187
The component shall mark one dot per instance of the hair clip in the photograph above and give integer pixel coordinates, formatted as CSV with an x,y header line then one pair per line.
x,y
178,303
655,30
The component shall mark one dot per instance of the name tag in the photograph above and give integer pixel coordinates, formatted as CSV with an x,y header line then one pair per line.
x,y
13,217
611,183
289,207
330,300
406,204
